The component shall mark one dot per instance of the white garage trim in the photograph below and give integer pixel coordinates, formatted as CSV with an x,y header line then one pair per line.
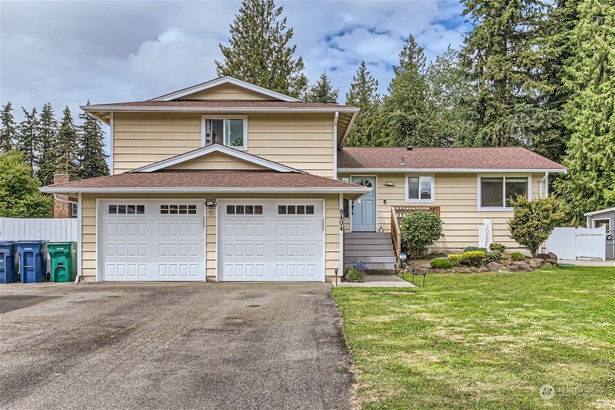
x,y
222,202
200,203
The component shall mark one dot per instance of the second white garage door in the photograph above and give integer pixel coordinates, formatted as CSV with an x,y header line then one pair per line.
x,y
267,240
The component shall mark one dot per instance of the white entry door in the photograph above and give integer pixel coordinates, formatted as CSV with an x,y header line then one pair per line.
x,y
146,240
271,240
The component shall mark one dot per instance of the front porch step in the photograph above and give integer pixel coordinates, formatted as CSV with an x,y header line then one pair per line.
x,y
375,249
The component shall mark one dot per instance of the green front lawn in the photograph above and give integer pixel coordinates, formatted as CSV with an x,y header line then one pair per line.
x,y
485,340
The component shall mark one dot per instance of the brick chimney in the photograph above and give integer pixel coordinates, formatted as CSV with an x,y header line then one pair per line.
x,y
61,208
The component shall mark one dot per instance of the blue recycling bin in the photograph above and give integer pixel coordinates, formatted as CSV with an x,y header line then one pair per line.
x,y
32,261
8,262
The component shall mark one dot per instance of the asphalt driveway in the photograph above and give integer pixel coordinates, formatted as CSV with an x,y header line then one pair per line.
x,y
197,346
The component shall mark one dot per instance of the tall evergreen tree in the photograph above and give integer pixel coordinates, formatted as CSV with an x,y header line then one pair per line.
x,y
590,112
47,139
67,145
363,93
502,57
91,153
259,49
8,132
27,138
322,91
556,50
405,108
449,101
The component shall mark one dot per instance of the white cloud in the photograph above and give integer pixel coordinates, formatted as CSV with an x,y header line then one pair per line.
x,y
70,52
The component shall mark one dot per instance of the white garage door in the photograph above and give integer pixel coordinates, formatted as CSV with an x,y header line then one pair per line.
x,y
264,240
151,240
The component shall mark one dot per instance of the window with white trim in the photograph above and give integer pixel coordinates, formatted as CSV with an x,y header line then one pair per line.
x,y
229,131
420,188
497,192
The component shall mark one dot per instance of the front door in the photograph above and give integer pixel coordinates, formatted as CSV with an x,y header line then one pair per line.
x,y
364,209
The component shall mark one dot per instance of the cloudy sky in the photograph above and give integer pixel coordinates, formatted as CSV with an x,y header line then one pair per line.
x,y
72,51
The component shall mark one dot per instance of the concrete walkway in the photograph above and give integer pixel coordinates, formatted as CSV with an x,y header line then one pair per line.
x,y
379,281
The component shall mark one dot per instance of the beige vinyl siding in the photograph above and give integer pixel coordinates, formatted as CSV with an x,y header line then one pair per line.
x,y
302,141
141,139
218,161
457,196
227,92
332,247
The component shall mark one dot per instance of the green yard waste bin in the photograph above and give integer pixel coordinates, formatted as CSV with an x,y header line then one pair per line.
x,y
63,261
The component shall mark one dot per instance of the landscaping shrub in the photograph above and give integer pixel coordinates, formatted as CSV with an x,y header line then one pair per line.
x,y
534,220
493,256
472,258
497,247
474,248
354,274
455,259
419,230
441,264
517,256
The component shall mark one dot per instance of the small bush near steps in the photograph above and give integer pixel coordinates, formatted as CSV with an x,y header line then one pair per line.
x,y
354,274
497,247
441,264
420,230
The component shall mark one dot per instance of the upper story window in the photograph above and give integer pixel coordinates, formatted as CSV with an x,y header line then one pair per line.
x,y
420,188
496,192
231,131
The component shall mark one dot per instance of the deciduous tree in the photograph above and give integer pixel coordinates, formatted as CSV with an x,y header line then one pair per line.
x,y
19,194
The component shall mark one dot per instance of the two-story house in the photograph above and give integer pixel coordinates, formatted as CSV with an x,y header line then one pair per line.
x,y
228,181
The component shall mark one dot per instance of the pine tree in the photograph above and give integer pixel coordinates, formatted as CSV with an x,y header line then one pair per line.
x,y
363,93
449,101
47,139
322,91
259,51
502,56
91,153
27,138
8,132
67,145
556,50
406,110
590,112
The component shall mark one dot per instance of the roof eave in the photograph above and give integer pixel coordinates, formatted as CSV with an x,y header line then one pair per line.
x,y
205,110
452,170
178,190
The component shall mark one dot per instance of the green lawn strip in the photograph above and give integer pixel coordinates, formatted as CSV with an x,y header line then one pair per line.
x,y
485,340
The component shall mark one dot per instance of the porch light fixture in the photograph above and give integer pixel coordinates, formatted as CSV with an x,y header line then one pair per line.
x,y
211,204
389,184
381,229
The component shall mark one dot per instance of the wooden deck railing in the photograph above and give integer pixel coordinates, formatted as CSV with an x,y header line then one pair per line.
x,y
397,213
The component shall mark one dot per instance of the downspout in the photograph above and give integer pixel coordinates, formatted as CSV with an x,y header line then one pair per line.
x,y
335,120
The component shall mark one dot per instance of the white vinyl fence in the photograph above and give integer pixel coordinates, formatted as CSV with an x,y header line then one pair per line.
x,y
575,243
48,229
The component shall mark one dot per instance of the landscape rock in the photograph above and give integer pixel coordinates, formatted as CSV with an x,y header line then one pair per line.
x,y
548,257
494,266
536,263
475,269
463,269
520,266
484,269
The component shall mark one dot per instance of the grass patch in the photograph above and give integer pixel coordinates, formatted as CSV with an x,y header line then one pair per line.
x,y
486,341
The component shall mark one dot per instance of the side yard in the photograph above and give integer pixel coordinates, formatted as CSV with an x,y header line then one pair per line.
x,y
486,340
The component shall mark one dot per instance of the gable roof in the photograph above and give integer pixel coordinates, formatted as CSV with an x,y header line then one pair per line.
x,y
203,151
210,182
220,81
501,159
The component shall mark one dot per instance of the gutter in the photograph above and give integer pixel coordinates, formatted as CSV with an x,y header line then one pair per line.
x,y
335,120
